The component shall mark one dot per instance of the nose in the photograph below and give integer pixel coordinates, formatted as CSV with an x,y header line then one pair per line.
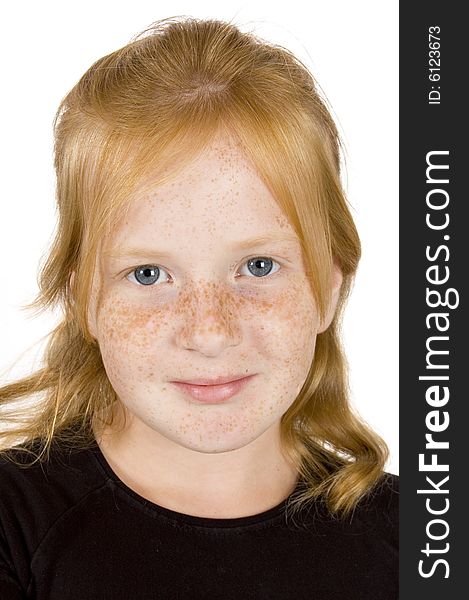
x,y
210,323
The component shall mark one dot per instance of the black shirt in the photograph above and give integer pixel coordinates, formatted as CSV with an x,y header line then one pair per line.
x,y
70,529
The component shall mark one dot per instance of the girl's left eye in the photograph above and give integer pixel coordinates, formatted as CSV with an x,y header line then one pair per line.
x,y
259,267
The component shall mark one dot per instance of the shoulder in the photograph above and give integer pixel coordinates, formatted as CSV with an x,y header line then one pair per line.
x,y
64,466
378,510
34,496
385,493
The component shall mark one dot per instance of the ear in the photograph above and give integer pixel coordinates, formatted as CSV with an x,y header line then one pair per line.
x,y
336,284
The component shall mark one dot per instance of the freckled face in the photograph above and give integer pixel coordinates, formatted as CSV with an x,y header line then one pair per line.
x,y
206,310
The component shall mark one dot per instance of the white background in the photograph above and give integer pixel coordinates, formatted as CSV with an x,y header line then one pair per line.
x,y
351,49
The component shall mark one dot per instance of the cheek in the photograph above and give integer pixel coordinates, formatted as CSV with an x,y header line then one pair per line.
x,y
289,327
128,345
289,333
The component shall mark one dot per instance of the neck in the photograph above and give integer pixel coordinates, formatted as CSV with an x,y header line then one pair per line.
x,y
229,484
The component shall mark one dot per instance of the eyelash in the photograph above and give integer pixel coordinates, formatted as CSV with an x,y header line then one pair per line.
x,y
261,279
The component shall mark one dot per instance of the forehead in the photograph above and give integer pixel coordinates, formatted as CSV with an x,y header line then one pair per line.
x,y
218,196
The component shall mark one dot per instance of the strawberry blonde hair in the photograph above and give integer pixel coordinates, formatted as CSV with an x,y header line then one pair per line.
x,y
156,102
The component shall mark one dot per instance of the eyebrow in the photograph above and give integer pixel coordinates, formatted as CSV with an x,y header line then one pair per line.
x,y
260,240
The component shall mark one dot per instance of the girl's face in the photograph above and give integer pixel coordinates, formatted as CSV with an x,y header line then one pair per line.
x,y
201,308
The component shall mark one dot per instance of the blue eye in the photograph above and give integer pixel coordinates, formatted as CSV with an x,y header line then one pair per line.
x,y
260,266
147,275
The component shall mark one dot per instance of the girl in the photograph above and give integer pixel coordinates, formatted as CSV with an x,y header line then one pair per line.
x,y
192,405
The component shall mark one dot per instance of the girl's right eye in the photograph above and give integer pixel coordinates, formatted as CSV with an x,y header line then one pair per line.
x,y
145,274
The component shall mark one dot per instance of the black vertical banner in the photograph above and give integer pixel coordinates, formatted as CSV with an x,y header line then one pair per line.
x,y
434,252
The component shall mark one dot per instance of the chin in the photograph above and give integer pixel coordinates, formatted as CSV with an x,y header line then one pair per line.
x,y
229,444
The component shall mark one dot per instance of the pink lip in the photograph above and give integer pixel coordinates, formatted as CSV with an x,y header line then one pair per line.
x,y
211,394
212,381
